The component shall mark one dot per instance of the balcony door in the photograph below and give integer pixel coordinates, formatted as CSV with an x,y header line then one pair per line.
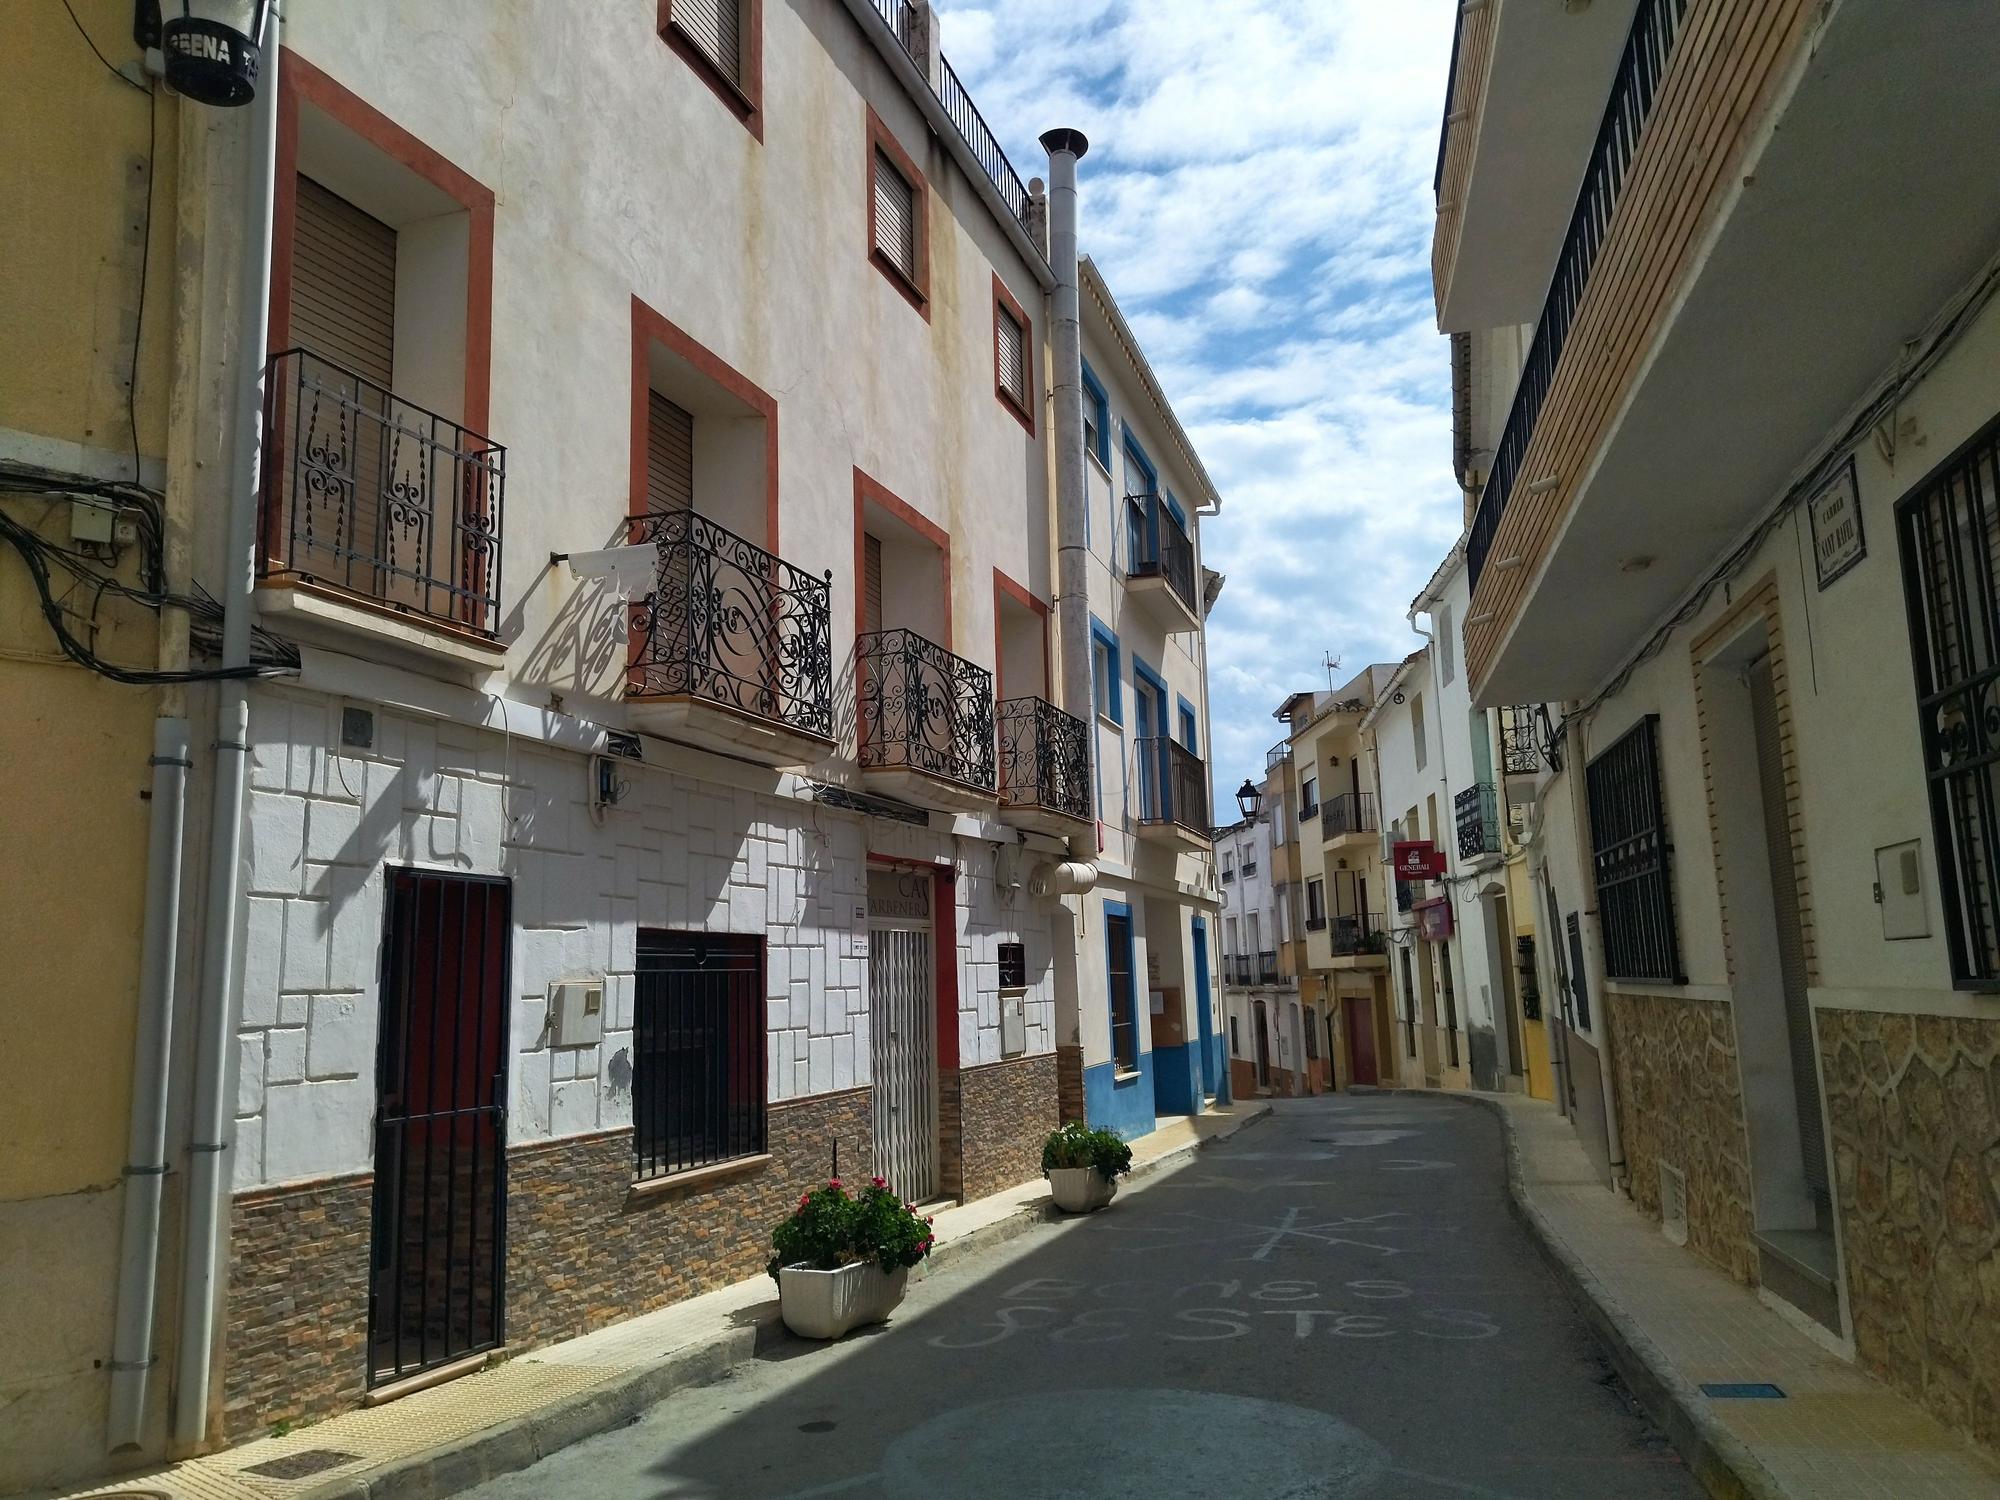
x,y
1150,709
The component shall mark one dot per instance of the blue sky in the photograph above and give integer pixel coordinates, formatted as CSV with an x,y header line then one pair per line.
x,y
1258,195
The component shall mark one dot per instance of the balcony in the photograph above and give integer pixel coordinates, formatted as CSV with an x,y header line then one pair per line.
x,y
1267,966
1237,969
1159,564
1348,818
378,518
1044,768
1227,875
731,651
1173,795
1278,755
925,723
1728,288
1520,743
1359,935
1477,812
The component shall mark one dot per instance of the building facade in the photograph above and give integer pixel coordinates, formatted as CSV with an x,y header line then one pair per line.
x,y
1273,1045
1735,523
659,788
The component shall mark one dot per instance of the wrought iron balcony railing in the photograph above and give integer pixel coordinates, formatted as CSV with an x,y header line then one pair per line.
x,y
1350,812
1044,758
1249,868
1316,923
1356,933
1157,546
1477,811
731,624
378,497
1520,749
1643,64
1228,876
1267,966
1239,968
924,709
1173,785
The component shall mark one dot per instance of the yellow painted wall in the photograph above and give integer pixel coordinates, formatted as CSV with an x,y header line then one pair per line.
x,y
1534,1034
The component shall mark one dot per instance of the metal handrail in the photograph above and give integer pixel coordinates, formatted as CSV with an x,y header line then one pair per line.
x,y
1643,64
731,623
1348,812
378,496
1173,784
1358,932
1044,757
1162,549
924,708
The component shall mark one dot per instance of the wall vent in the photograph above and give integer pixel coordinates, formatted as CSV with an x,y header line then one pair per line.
x,y
1673,1204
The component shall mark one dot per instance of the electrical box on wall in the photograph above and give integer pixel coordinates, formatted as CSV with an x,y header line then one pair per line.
x,y
1013,1024
1899,890
576,1013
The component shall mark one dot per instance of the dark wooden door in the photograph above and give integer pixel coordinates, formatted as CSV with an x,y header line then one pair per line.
x,y
1361,1039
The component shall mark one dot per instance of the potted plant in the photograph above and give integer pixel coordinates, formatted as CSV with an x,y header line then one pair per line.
x,y
1083,1166
841,1261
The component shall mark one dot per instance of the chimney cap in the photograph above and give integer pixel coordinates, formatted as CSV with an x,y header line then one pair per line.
x,y
1065,138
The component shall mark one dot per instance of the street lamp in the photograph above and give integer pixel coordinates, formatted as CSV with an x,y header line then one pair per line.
x,y
211,47
1249,799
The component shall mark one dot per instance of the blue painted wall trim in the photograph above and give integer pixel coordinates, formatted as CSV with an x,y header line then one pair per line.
x,y
1190,722
1210,1044
1095,397
1177,1080
1123,1106
1115,709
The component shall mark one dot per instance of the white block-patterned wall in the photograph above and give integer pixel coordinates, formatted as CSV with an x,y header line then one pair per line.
x,y
675,853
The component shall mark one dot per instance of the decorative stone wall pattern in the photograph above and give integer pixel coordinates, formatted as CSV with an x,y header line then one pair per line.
x,y
1914,1106
583,1251
1009,1109
1680,1101
1069,1083
950,1135
296,1325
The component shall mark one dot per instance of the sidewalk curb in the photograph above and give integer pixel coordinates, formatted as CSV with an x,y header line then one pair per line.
x,y
452,1468
1720,1461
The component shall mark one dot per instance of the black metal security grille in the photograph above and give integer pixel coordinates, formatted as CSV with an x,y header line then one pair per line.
x,y
732,624
1477,812
1173,784
1520,746
1631,856
924,709
1648,47
440,1202
367,492
1949,531
1124,994
1044,758
698,1051
1158,547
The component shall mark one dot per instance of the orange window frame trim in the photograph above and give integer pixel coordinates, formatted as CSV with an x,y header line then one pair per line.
x,y
1005,588
743,98
918,292
1004,299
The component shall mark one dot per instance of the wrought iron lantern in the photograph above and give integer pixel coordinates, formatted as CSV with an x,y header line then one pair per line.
x,y
1249,799
212,48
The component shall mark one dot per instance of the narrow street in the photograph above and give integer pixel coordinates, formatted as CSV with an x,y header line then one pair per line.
x,y
1336,1302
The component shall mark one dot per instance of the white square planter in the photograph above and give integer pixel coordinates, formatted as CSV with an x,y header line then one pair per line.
x,y
1081,1190
827,1304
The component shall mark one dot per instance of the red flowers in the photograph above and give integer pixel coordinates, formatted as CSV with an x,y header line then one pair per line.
x,y
879,1181
833,1182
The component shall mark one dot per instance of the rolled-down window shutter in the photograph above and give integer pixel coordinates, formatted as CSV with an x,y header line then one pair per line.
x,y
669,456
343,284
871,584
1010,339
895,216
716,27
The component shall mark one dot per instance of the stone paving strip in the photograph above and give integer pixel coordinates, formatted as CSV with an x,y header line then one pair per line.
x,y
442,1441
1673,1323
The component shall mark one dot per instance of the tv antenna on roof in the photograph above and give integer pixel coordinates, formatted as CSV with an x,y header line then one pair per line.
x,y
1332,666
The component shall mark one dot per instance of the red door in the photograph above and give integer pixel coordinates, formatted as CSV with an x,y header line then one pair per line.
x,y
1361,1039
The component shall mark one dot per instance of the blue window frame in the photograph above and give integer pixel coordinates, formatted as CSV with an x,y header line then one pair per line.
x,y
1110,697
1161,696
1096,417
1122,983
1141,528
1189,734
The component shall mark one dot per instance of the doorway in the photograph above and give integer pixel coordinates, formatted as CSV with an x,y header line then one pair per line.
x,y
902,1030
1263,1027
438,1233
1362,1061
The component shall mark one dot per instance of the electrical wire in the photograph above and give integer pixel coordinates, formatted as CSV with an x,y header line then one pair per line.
x,y
145,264
109,67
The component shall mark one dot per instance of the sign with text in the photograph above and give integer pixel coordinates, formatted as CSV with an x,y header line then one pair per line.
x,y
1434,919
1417,859
1838,541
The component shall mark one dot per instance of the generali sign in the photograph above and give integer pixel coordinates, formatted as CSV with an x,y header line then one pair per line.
x,y
1416,859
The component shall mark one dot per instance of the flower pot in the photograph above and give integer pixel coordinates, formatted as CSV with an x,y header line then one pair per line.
x,y
1081,1190
827,1304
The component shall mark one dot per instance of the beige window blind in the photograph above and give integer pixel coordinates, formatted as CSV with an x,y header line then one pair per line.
x,y
716,28
669,456
1011,340
895,216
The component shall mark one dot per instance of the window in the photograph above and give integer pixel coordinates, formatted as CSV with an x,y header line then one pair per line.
x,y
1315,905
1235,1041
1013,357
1417,729
1311,1029
1189,735
1630,857
1309,798
1228,870
1124,996
1447,654
1229,943
1013,966
1104,674
898,217
723,41
1096,418
1450,1005
1947,531
698,1051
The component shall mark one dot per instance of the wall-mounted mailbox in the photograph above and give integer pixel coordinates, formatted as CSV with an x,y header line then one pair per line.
x,y
1013,1024
1899,888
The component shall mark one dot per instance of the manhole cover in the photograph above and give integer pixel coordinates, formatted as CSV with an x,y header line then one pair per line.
x,y
303,1464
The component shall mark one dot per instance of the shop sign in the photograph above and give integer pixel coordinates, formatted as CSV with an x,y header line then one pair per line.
x,y
1417,859
1434,919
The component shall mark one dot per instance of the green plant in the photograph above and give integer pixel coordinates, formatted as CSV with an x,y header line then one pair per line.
x,y
1077,1145
830,1229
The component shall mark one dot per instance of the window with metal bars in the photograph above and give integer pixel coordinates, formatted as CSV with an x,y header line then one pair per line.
x,y
1013,966
1948,530
1632,858
698,1081
1123,986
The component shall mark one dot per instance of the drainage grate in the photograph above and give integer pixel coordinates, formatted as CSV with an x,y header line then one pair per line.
x,y
1748,1390
303,1464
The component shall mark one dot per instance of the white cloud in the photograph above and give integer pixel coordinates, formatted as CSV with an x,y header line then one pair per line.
x,y
1258,195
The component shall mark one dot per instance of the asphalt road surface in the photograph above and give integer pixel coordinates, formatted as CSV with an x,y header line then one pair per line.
x,y
1336,1302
